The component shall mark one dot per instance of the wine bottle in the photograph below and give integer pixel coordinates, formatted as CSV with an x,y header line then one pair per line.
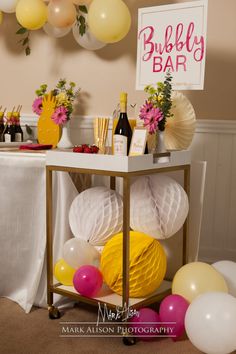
x,y
123,131
1,126
18,130
9,132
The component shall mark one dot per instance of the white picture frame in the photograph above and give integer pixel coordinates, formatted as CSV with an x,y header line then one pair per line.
x,y
138,141
172,37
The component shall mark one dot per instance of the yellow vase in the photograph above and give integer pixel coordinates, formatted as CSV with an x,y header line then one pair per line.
x,y
48,131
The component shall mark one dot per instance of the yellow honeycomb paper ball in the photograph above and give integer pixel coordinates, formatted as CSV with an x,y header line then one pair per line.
x,y
147,264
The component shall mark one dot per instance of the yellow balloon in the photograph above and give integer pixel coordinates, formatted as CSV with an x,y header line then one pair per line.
x,y
197,278
147,264
63,272
31,14
109,20
1,17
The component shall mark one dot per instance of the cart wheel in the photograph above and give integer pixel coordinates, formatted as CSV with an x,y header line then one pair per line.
x,y
128,340
53,313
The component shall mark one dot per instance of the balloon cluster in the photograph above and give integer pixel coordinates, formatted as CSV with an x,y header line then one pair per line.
x,y
94,22
203,299
210,320
202,303
169,322
79,267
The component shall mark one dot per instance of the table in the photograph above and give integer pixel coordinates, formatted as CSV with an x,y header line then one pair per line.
x,y
113,166
23,225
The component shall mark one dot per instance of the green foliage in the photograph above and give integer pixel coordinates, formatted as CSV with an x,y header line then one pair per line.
x,y
42,90
81,23
80,19
160,97
25,41
83,9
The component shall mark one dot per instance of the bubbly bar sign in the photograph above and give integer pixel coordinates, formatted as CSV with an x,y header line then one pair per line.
x,y
172,37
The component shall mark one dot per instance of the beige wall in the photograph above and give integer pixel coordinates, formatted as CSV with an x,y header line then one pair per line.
x,y
103,74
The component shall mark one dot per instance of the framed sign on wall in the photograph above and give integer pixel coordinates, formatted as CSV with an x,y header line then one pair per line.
x,y
172,37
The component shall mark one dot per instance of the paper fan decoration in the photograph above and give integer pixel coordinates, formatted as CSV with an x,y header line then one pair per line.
x,y
180,128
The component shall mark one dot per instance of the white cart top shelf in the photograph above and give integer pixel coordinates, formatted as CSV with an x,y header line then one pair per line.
x,y
62,158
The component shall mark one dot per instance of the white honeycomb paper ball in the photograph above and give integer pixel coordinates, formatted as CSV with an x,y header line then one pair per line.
x,y
96,214
158,206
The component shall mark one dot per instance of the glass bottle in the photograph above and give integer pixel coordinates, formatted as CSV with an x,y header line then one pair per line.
x,y
123,132
9,133
18,130
1,126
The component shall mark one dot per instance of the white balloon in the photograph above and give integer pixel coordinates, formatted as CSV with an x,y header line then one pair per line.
x,y
78,252
228,270
158,206
210,323
96,215
8,6
56,32
87,41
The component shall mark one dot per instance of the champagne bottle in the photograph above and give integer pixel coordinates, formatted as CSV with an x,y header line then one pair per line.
x,y
123,131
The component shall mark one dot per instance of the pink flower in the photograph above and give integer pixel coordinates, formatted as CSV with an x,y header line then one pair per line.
x,y
60,115
37,105
152,118
145,109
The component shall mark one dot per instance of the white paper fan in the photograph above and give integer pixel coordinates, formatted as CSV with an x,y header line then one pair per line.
x,y
180,128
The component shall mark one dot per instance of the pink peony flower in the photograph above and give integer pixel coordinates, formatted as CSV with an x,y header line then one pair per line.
x,y
152,118
60,115
37,105
145,109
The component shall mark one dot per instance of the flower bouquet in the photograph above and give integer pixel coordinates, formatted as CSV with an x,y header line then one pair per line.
x,y
64,95
55,108
157,108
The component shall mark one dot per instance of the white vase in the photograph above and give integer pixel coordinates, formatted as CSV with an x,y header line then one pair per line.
x,y
160,141
65,141
160,146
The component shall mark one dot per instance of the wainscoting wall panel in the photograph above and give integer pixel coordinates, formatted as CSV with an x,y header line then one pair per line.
x,y
214,142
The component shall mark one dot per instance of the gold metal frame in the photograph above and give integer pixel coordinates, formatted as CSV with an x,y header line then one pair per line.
x,y
126,228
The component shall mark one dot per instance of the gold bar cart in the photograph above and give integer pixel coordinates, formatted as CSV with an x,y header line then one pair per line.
x,y
112,166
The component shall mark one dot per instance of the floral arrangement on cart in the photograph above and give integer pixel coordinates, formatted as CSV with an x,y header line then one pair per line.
x,y
156,111
55,109
168,116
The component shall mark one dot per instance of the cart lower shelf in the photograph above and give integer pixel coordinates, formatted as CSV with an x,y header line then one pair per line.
x,y
106,296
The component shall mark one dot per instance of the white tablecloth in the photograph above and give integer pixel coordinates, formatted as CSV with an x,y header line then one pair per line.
x,y
23,225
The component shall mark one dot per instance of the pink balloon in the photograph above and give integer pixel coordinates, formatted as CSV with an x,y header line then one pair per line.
x,y
173,309
146,331
88,280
